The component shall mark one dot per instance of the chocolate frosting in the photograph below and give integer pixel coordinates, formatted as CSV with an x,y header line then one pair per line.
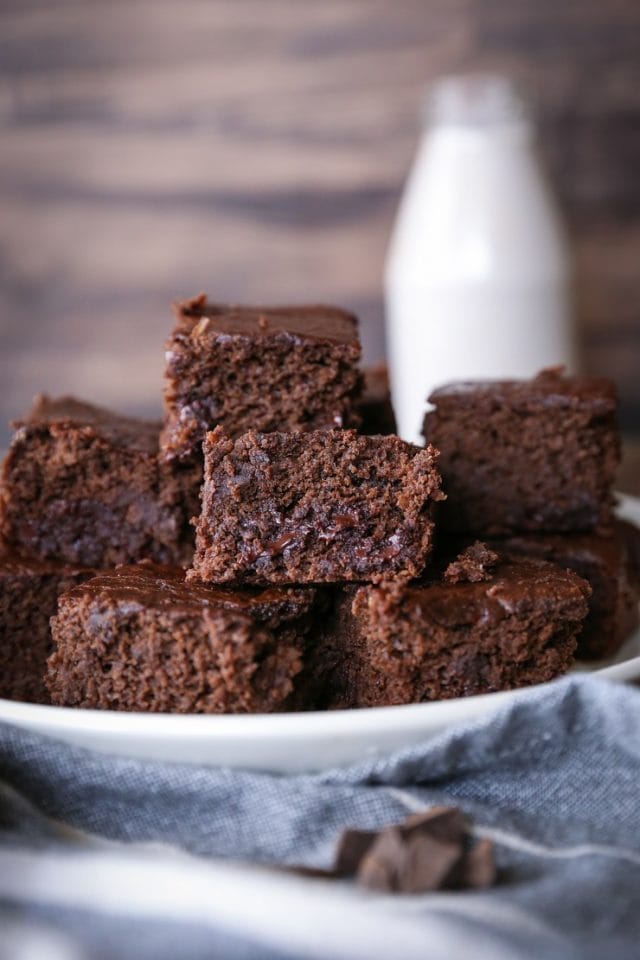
x,y
550,388
156,586
64,413
515,585
201,318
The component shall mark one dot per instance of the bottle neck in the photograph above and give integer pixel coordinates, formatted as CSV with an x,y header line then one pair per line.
x,y
478,109
516,135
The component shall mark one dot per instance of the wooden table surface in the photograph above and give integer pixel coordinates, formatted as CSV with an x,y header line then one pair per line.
x,y
257,150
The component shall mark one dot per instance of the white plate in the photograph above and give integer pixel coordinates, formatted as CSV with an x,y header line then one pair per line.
x,y
283,743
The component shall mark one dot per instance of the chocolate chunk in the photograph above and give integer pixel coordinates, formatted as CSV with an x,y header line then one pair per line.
x,y
473,565
421,854
383,866
428,864
352,846
478,867
429,851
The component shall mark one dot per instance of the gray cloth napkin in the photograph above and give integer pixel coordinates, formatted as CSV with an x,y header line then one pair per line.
x,y
103,857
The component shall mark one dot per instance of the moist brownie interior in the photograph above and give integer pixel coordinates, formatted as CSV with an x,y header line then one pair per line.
x,y
314,507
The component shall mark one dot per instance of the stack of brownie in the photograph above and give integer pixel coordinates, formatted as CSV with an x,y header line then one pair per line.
x,y
271,544
529,466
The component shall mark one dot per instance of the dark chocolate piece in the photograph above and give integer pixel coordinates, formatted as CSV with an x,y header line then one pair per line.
x,y
478,867
352,846
383,866
29,591
139,638
258,368
83,485
520,456
314,507
430,851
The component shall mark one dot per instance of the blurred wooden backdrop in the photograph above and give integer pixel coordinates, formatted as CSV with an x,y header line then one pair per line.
x,y
256,149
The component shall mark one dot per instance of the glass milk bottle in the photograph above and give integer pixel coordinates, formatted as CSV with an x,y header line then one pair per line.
x,y
477,275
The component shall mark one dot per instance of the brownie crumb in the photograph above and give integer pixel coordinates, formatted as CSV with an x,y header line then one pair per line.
x,y
319,507
473,565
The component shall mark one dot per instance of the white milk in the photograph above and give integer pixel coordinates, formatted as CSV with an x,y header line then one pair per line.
x,y
477,277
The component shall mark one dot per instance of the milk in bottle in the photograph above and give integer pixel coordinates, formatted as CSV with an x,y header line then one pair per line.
x,y
477,275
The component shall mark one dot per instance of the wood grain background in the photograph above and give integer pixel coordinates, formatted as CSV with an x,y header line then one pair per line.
x,y
256,149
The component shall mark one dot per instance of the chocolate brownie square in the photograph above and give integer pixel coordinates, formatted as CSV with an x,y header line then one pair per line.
x,y
29,591
520,456
606,562
374,406
257,368
316,507
140,638
450,636
84,485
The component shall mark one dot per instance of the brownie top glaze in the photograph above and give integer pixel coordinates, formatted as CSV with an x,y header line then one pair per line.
x,y
514,587
76,414
159,587
550,388
203,319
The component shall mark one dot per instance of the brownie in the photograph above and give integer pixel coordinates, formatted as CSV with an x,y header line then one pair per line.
x,y
396,643
520,456
140,638
314,507
374,406
257,368
606,562
29,591
84,485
